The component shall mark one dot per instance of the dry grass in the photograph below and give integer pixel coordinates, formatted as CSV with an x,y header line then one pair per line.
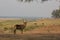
x,y
50,25
42,29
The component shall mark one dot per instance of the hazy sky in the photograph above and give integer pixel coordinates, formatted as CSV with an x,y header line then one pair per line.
x,y
15,8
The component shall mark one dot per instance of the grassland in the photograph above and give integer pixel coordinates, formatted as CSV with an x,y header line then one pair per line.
x,y
41,29
7,25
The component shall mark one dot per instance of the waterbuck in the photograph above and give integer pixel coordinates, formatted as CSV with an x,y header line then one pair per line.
x,y
20,27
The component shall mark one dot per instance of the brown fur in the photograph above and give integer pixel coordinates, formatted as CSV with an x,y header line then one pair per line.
x,y
20,27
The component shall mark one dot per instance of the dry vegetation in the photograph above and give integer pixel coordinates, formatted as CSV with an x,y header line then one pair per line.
x,y
41,26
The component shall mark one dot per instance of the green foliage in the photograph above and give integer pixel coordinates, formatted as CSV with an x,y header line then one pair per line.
x,y
56,13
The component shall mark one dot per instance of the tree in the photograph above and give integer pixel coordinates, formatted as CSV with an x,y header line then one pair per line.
x,y
56,13
31,0
42,1
25,0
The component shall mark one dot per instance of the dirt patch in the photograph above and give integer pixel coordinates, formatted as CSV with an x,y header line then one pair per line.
x,y
30,37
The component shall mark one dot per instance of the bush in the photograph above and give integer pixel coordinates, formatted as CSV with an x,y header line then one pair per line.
x,y
5,28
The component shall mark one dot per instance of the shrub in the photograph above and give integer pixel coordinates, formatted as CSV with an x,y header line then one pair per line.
x,y
5,28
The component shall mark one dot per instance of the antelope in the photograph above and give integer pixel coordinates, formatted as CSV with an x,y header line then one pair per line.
x,y
20,27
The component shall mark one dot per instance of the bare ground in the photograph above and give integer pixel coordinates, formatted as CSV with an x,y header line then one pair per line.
x,y
30,37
